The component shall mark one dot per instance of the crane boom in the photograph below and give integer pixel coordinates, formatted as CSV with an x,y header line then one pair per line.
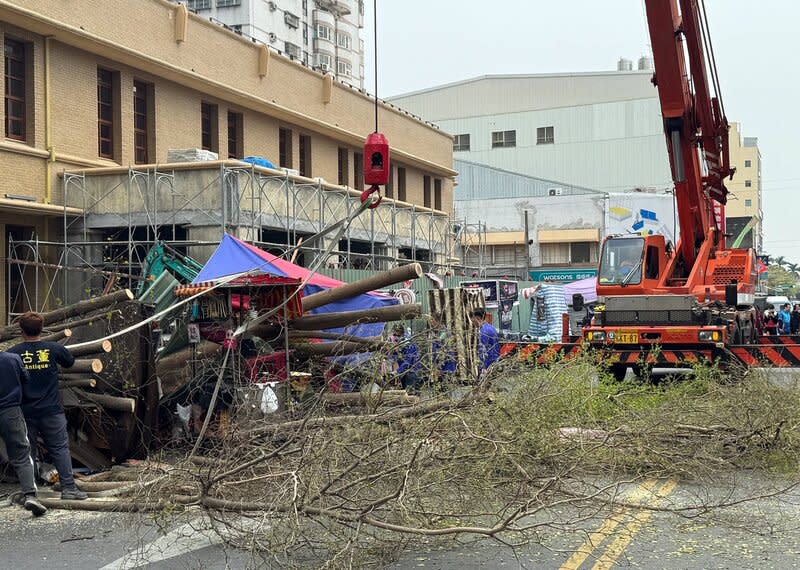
x,y
694,123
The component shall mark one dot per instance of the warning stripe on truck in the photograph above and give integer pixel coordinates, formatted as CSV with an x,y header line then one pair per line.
x,y
538,353
779,352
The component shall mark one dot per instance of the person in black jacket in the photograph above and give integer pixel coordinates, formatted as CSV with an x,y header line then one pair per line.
x,y
41,400
12,428
794,326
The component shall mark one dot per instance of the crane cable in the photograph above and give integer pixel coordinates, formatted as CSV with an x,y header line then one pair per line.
x,y
375,48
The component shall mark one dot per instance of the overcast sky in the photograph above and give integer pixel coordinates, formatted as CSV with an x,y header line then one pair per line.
x,y
423,43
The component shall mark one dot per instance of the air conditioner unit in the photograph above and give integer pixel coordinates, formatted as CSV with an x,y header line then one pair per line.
x,y
272,36
324,67
272,6
554,192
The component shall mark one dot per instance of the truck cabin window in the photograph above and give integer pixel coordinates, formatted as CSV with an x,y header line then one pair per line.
x,y
622,261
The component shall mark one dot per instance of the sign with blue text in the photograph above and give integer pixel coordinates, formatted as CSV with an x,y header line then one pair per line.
x,y
563,275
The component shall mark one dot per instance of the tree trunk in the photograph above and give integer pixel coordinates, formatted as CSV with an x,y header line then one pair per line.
x,y
114,403
79,308
330,348
349,290
78,383
88,366
205,348
336,320
97,347
370,340
371,400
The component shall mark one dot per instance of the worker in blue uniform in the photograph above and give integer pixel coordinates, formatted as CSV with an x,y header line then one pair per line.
x,y
488,339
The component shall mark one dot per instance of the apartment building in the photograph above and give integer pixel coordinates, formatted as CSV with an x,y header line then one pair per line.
x,y
743,212
89,106
325,34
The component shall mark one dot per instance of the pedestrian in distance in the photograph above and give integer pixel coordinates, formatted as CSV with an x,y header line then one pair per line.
x,y
41,400
795,327
785,319
770,321
13,432
488,339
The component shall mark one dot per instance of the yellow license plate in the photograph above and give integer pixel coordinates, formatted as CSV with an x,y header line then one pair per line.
x,y
627,337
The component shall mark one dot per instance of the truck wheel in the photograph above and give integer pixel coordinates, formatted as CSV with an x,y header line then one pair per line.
x,y
618,371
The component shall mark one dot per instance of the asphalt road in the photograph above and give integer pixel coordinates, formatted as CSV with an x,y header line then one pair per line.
x,y
757,534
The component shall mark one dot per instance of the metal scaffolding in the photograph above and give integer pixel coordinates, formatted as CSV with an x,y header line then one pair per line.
x,y
189,206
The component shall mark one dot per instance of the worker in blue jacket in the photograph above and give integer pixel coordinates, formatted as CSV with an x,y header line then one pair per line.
x,y
488,339
405,358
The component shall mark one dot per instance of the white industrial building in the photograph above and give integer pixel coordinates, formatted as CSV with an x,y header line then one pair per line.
x,y
527,227
324,34
600,130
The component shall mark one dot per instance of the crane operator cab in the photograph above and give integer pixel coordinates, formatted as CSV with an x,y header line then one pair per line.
x,y
631,264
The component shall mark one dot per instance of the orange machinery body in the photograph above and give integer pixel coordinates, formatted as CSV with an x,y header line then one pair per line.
x,y
712,272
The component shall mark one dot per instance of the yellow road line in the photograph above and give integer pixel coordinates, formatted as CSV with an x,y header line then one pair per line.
x,y
627,534
608,526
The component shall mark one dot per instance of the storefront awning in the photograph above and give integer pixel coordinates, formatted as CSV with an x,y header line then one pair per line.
x,y
494,238
569,236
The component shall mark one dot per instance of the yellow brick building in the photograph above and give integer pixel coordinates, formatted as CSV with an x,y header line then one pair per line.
x,y
97,89
743,212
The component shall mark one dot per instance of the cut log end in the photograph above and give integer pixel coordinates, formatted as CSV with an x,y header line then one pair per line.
x,y
67,333
97,365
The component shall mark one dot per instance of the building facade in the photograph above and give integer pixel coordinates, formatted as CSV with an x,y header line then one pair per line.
x,y
598,130
92,111
601,131
324,34
743,213
532,228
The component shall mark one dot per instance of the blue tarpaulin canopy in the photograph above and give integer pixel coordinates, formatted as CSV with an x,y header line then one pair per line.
x,y
234,256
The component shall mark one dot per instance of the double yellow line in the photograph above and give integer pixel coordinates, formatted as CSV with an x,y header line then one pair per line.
x,y
644,494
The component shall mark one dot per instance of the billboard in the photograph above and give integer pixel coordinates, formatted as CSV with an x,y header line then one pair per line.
x,y
639,213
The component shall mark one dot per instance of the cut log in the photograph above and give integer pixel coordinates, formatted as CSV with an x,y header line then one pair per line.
x,y
97,347
56,336
336,320
79,308
83,307
179,359
329,349
78,383
80,322
349,290
372,400
87,366
322,335
114,403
